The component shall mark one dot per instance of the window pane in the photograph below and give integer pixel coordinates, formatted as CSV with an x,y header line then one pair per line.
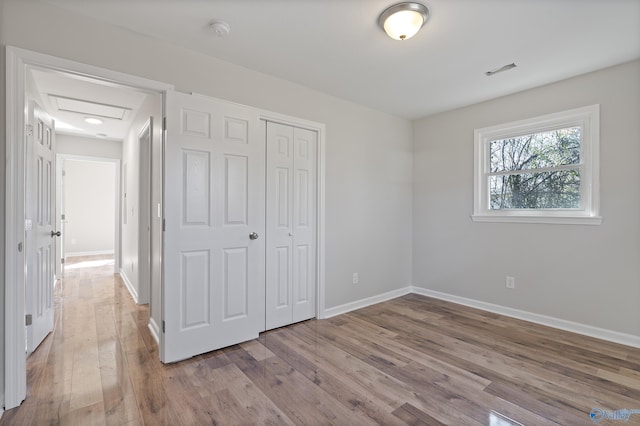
x,y
547,190
539,150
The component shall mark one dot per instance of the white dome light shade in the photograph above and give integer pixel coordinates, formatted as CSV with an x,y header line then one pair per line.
x,y
403,20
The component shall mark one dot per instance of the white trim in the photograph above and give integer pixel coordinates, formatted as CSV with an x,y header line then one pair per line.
x,y
88,253
129,286
17,62
15,386
368,301
571,326
556,220
588,119
85,71
574,327
154,329
320,130
89,158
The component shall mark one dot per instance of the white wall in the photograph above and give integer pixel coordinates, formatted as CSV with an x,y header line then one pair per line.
x,y
89,207
586,274
151,107
88,147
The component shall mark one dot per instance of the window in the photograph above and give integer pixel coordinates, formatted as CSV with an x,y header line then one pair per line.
x,y
543,169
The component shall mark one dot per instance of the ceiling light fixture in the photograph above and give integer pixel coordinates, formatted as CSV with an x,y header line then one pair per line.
x,y
92,120
403,20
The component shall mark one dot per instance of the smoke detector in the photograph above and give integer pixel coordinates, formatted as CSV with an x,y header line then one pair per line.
x,y
219,28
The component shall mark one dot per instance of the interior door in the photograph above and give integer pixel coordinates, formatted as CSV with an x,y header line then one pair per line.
x,y
40,225
291,225
213,286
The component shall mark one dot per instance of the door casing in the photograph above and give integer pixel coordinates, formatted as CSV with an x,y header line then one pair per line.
x,y
18,62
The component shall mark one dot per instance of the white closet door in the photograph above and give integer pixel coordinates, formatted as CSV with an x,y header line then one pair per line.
x,y
213,287
291,225
304,224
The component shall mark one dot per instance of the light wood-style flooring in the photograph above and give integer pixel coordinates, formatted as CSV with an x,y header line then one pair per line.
x,y
412,360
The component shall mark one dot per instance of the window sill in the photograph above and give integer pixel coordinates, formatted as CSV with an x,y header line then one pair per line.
x,y
556,220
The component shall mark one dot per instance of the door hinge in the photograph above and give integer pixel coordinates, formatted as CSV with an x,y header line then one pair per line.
x,y
28,319
163,224
62,260
62,216
20,247
164,123
163,326
29,130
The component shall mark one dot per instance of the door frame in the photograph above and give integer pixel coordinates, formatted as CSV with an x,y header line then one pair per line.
x,y
144,212
320,129
18,62
60,158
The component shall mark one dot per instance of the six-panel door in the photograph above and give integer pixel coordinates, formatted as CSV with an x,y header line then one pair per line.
x,y
41,216
291,225
213,293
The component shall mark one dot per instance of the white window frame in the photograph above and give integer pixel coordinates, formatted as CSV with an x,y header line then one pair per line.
x,y
588,119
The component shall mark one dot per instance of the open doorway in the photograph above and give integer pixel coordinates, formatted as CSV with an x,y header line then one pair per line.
x,y
87,205
75,96
97,126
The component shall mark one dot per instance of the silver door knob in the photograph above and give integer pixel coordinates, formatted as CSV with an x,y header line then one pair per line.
x,y
253,236
55,234
291,234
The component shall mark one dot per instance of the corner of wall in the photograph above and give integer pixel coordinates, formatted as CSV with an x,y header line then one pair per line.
x,y
130,287
155,330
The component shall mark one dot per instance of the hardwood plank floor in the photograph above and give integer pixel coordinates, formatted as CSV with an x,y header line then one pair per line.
x,y
412,360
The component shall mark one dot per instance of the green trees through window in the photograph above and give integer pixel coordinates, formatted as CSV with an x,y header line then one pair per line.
x,y
536,171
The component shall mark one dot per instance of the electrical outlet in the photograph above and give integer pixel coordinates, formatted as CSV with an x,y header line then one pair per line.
x,y
510,282
355,278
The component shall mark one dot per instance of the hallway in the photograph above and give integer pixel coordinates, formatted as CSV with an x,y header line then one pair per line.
x,y
80,373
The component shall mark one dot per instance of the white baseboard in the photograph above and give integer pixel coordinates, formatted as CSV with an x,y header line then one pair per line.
x,y
363,303
87,253
129,286
155,330
574,327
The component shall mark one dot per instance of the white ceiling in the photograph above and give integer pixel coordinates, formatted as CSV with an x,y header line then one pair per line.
x,y
47,83
336,47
